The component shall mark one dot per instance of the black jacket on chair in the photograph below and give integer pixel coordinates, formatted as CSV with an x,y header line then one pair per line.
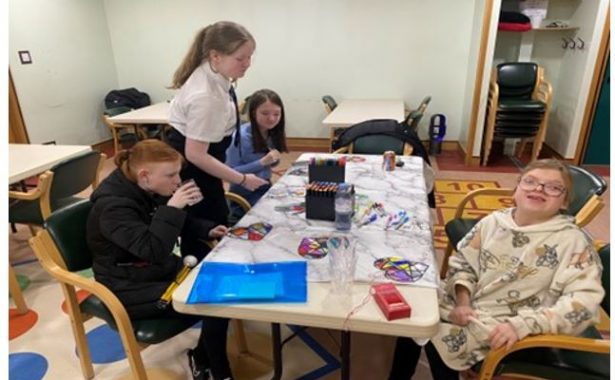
x,y
132,234
387,127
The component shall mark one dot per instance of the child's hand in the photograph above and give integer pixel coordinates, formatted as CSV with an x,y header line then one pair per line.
x,y
187,194
503,334
218,231
271,158
461,315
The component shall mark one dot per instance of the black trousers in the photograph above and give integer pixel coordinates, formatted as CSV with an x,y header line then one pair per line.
x,y
213,207
210,350
406,357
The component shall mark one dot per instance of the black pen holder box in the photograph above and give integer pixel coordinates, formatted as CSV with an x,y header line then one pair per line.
x,y
320,201
327,173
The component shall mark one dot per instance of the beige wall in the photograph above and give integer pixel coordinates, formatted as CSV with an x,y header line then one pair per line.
x,y
61,92
305,49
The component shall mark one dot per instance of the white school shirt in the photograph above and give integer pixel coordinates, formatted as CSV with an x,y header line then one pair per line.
x,y
203,110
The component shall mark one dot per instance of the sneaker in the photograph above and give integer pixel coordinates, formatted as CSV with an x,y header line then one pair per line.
x,y
199,372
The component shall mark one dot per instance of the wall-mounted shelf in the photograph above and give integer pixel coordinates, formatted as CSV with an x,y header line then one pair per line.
x,y
557,29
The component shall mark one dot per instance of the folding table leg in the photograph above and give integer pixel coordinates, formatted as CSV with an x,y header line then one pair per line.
x,y
277,351
345,355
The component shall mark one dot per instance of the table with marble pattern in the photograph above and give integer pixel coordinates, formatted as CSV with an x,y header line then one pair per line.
x,y
401,189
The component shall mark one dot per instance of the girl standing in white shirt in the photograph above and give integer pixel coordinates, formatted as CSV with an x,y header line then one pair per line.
x,y
204,115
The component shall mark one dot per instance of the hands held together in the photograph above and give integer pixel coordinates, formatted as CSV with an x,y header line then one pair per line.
x,y
271,159
502,334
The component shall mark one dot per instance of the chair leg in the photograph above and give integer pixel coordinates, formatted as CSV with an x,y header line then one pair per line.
x,y
536,148
447,254
116,141
76,323
521,148
16,293
32,230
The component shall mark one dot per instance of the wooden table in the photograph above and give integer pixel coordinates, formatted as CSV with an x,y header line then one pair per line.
x,y
353,111
27,160
323,309
155,114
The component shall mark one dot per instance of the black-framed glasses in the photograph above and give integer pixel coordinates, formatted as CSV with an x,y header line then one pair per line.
x,y
551,189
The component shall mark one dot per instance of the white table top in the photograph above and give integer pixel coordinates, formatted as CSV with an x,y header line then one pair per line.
x,y
323,309
155,114
27,160
353,111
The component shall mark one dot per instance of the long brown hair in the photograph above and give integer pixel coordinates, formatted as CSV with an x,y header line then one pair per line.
x,y
278,133
224,37
143,152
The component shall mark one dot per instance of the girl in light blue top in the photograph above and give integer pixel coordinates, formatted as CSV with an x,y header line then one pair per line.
x,y
261,142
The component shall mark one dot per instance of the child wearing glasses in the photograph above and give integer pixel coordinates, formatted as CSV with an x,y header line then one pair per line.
x,y
522,271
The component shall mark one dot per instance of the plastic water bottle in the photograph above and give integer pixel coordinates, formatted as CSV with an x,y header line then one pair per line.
x,y
343,207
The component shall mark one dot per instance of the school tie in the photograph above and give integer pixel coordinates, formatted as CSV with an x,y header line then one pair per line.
x,y
231,92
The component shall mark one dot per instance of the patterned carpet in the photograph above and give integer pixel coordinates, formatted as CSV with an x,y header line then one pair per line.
x,y
448,195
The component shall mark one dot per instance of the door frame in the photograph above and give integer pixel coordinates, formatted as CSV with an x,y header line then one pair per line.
x,y
17,128
478,80
594,90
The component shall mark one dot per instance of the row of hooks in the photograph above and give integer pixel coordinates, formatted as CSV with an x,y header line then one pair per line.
x,y
570,43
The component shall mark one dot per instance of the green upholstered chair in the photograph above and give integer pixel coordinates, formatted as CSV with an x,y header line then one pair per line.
x,y
557,356
56,189
585,203
330,103
517,107
377,144
62,250
413,118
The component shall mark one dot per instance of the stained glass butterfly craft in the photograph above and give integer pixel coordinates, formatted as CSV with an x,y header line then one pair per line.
x,y
313,247
283,192
253,232
402,270
356,159
293,208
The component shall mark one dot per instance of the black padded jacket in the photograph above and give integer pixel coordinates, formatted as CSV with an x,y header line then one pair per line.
x,y
132,234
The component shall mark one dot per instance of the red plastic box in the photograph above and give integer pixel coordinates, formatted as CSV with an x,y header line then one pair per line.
x,y
391,302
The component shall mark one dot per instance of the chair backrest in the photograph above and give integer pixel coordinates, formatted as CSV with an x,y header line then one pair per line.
x,y
330,103
377,144
413,119
585,185
424,103
605,257
517,79
67,227
116,111
74,175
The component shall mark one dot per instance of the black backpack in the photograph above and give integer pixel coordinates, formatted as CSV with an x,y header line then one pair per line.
x,y
129,97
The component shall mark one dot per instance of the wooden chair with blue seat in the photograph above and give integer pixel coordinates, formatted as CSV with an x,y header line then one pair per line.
x,y
517,107
557,356
62,250
585,203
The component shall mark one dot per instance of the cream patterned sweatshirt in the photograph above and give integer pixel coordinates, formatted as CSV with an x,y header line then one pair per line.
x,y
543,279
